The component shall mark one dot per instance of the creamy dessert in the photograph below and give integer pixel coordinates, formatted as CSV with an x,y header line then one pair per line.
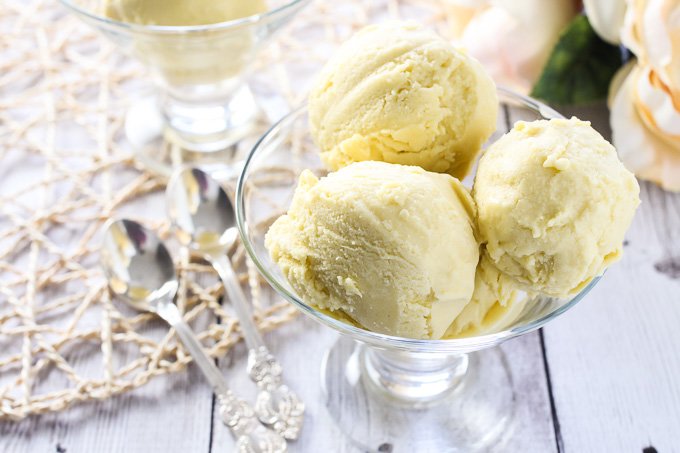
x,y
181,12
390,246
554,203
496,303
397,92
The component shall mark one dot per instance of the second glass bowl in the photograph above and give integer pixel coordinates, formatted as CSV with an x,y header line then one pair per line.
x,y
203,106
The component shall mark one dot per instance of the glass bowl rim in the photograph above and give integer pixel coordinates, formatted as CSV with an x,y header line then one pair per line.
x,y
367,336
183,29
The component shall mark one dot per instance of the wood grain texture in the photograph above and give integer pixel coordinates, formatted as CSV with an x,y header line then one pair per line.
x,y
614,360
171,414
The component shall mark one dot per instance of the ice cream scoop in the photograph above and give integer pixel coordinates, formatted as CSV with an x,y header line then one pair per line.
x,y
398,93
554,203
496,302
390,246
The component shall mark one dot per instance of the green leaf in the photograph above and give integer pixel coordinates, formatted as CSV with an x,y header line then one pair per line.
x,y
580,67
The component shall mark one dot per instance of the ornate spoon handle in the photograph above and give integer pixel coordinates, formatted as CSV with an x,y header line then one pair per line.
x,y
276,405
251,435
238,415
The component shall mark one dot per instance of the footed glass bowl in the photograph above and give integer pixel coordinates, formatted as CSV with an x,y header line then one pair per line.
x,y
203,105
394,391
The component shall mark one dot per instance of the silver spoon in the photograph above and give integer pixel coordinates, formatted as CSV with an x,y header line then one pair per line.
x,y
141,272
204,219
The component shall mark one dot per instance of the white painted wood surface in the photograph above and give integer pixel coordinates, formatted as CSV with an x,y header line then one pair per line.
x,y
614,358
612,361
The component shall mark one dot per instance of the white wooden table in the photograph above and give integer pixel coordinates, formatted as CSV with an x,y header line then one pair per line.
x,y
605,377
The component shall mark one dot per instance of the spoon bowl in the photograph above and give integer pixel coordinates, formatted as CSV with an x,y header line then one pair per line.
x,y
138,265
202,212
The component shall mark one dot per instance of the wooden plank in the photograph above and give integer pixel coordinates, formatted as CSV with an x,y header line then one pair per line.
x,y
614,357
534,431
171,413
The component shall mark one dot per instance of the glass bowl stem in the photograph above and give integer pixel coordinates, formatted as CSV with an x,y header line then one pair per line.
x,y
413,377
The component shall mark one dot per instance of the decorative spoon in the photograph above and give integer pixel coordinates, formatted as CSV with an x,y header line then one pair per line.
x,y
140,271
203,216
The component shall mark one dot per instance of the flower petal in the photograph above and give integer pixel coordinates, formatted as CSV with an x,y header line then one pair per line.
x,y
606,17
618,79
648,154
655,103
511,43
651,30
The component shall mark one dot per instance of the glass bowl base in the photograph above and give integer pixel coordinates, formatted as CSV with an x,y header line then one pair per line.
x,y
475,414
161,149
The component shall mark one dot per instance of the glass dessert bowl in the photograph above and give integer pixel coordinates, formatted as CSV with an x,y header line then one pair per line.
x,y
395,390
203,106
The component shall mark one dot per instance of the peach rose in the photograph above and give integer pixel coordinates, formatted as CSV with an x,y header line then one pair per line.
x,y
645,124
651,30
645,95
606,18
506,36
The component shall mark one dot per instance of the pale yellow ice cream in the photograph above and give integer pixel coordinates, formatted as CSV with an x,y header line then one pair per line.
x,y
398,93
496,303
214,58
554,203
181,12
390,246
